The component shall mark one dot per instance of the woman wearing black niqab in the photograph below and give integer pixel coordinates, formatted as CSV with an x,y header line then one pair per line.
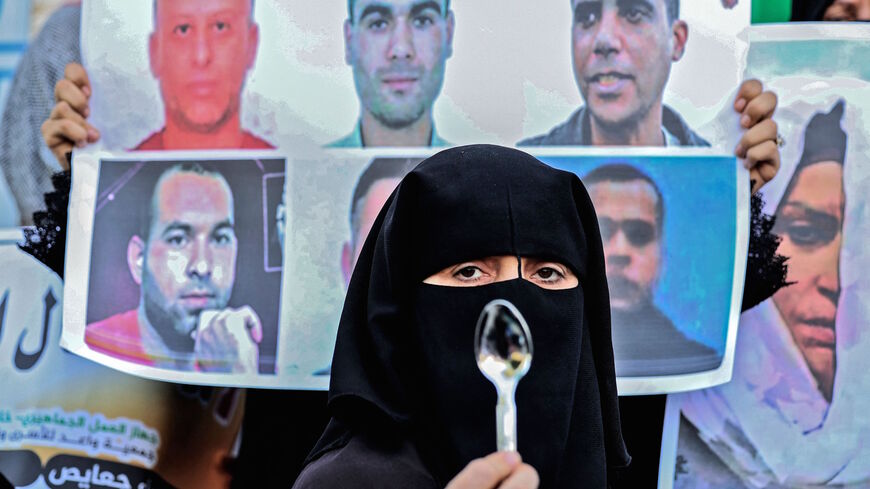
x,y
409,406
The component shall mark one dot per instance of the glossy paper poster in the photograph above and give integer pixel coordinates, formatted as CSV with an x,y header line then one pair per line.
x,y
675,276
680,275
174,265
206,74
797,413
66,422
181,309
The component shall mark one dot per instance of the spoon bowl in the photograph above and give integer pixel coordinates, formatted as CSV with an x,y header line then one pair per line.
x,y
503,349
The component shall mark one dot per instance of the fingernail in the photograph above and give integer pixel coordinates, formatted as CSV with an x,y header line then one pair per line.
x,y
87,112
87,91
740,104
747,164
93,135
744,121
739,150
512,458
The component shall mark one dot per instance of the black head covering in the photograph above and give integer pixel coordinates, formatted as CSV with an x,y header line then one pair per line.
x,y
404,356
824,138
809,10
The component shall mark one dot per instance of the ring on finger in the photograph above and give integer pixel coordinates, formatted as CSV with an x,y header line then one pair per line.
x,y
780,141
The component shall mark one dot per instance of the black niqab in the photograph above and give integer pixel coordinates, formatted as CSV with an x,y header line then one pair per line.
x,y
404,357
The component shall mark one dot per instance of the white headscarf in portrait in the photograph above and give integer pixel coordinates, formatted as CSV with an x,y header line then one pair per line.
x,y
770,424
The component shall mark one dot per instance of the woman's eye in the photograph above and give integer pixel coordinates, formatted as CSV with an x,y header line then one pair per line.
x,y
548,274
468,273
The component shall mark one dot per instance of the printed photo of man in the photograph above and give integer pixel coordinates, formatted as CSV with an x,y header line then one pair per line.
x,y
631,211
200,53
398,50
184,261
622,54
374,186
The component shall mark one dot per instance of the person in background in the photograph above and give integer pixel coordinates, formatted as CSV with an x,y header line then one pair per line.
x,y
830,10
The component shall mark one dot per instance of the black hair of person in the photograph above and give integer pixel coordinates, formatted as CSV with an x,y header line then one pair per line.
x,y
390,379
809,10
379,169
824,141
350,4
622,173
146,212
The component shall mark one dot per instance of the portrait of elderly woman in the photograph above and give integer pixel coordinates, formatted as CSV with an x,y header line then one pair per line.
x,y
790,417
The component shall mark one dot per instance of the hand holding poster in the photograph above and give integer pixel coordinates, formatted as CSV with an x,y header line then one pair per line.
x,y
380,85
796,410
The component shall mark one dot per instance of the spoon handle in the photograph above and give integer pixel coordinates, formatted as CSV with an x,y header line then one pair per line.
x,y
506,422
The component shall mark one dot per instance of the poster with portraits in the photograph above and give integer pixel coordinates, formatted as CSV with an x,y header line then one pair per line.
x,y
68,422
174,264
796,412
279,73
677,277
238,87
450,73
174,270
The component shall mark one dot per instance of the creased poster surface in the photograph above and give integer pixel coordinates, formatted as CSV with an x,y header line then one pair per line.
x,y
797,413
67,422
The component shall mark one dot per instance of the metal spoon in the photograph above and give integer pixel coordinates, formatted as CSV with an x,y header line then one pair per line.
x,y
503,347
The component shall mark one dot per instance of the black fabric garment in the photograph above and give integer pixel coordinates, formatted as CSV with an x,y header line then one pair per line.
x,y
809,10
765,269
651,345
278,431
46,240
4,484
367,460
404,356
